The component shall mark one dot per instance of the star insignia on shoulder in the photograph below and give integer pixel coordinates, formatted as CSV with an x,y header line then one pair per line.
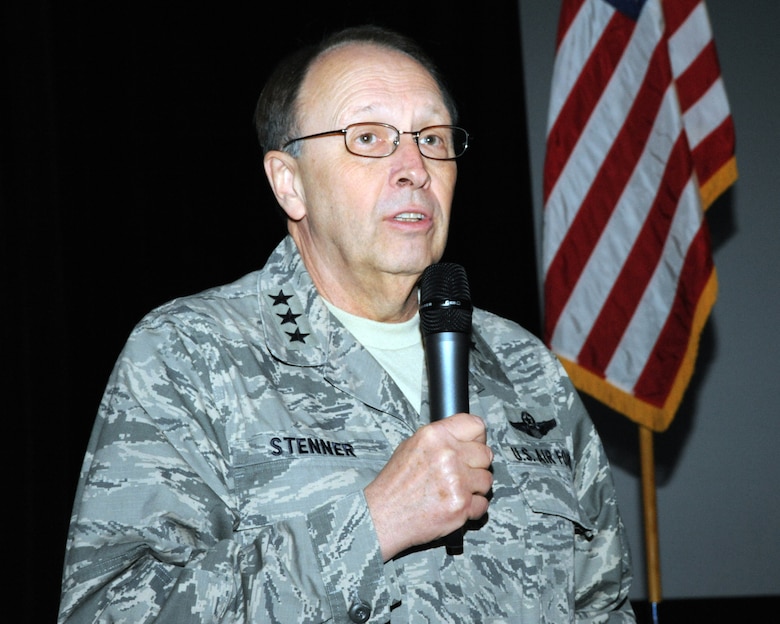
x,y
281,298
288,317
297,336
529,426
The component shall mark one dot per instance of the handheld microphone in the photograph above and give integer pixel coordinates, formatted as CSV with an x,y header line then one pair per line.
x,y
445,319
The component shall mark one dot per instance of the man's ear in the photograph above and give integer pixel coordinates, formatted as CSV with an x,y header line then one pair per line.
x,y
281,169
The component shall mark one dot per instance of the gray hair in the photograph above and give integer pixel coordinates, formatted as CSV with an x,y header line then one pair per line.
x,y
276,112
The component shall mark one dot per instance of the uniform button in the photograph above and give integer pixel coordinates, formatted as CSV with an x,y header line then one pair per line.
x,y
359,612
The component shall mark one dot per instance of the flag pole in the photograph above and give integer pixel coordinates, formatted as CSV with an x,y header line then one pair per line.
x,y
650,513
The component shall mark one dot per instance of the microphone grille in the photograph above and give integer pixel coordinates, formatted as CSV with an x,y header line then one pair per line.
x,y
445,299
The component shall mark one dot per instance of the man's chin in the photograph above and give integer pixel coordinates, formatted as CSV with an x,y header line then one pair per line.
x,y
417,260
414,269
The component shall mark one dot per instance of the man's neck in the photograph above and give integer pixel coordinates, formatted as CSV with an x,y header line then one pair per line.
x,y
377,304
383,297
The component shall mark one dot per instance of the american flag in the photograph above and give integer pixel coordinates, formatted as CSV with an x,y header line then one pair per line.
x,y
640,141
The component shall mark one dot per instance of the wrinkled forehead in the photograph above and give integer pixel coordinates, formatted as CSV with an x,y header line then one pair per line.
x,y
363,76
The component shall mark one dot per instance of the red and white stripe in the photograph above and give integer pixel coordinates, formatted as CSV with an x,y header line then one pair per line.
x,y
640,140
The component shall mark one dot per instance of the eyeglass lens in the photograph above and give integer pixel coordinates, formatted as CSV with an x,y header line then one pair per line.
x,y
377,140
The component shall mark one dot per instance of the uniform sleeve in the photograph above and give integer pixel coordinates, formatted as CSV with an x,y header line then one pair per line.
x,y
603,572
155,534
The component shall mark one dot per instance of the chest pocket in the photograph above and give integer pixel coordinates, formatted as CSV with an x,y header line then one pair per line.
x,y
281,476
548,494
540,466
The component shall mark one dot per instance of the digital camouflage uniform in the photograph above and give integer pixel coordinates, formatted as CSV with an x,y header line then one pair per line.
x,y
224,478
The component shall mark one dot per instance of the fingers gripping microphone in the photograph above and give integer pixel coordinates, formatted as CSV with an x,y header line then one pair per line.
x,y
445,319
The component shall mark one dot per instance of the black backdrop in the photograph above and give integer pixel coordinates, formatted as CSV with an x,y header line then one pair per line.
x,y
129,174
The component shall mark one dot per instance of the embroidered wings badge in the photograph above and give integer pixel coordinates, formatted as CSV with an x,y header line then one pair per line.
x,y
529,426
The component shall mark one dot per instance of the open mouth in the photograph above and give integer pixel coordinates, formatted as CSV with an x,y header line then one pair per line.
x,y
410,217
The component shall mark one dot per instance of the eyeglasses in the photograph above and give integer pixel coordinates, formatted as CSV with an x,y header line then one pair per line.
x,y
377,140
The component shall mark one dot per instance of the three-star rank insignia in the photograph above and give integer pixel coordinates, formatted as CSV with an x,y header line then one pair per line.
x,y
288,317
529,426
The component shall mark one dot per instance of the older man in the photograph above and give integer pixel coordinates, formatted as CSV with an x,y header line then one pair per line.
x,y
264,450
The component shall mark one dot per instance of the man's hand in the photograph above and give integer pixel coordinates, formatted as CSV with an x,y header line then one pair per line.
x,y
435,481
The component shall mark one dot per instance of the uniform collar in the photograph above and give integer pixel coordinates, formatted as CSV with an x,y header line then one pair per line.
x,y
296,322
299,330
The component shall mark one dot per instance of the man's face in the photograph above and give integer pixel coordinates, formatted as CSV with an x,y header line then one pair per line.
x,y
369,217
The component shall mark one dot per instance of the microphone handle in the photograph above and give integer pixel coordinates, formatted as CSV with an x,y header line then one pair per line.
x,y
448,391
448,367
